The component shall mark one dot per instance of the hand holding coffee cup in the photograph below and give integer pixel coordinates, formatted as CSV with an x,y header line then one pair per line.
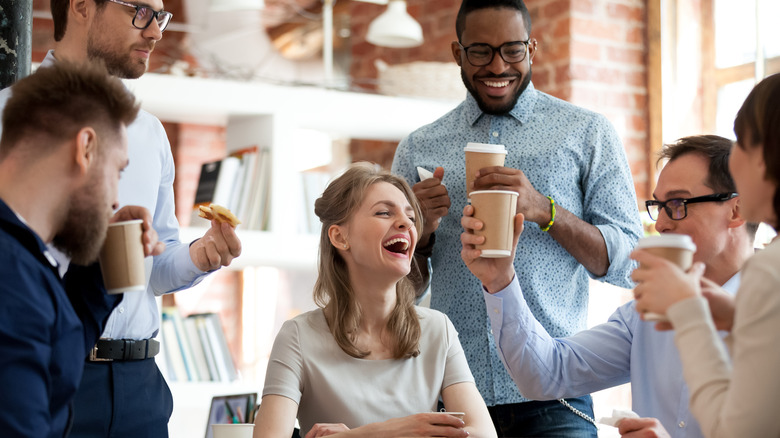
x,y
152,245
479,156
494,273
662,276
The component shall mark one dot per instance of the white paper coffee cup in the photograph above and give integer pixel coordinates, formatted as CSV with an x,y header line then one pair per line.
x,y
496,209
239,430
481,155
677,248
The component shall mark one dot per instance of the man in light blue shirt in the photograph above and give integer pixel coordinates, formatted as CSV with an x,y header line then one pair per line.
x,y
625,348
555,151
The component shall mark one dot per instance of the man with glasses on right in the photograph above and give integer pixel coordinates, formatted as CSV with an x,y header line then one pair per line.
x,y
122,392
695,196
575,189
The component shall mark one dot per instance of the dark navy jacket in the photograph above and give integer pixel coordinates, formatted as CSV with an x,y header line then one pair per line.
x,y
45,334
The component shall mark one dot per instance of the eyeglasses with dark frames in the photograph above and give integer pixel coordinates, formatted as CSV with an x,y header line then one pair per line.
x,y
481,54
144,15
677,208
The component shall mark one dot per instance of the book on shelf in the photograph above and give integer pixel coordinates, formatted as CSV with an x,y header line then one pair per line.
x,y
313,181
195,348
239,182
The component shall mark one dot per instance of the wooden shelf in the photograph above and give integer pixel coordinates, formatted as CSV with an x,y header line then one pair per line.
x,y
263,248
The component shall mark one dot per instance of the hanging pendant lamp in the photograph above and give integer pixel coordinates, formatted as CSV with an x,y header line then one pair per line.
x,y
395,28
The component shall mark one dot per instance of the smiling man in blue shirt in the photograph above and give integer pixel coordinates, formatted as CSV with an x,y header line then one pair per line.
x,y
555,151
625,348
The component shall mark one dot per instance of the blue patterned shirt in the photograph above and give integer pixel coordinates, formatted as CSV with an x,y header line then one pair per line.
x,y
569,153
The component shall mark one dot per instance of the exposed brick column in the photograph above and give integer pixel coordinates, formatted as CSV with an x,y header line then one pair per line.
x,y
593,53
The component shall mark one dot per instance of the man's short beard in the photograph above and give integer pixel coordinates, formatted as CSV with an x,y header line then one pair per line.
x,y
483,105
84,231
115,64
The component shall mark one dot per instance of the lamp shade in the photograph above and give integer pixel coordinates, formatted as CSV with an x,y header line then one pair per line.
x,y
395,28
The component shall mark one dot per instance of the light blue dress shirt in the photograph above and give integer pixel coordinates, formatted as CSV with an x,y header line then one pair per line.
x,y
569,153
623,349
148,182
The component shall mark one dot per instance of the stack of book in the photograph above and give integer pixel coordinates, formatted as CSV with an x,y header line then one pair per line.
x,y
239,182
195,348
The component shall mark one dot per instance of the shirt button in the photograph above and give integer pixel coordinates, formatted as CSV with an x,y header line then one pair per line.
x,y
495,133
681,424
491,331
122,309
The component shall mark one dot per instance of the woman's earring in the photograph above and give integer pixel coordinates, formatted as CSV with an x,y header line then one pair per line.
x,y
346,246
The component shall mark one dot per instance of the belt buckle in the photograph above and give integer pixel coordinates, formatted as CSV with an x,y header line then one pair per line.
x,y
94,358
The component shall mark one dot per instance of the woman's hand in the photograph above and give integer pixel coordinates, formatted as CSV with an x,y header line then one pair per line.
x,y
661,283
721,304
427,424
325,429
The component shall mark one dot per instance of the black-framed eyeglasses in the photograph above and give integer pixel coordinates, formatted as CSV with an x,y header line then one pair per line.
x,y
677,208
481,54
144,15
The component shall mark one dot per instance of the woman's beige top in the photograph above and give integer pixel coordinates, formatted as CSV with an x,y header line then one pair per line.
x,y
330,386
737,396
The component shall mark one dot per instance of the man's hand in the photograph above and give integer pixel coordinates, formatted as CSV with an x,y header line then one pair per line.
x,y
217,248
152,246
641,428
434,201
532,204
494,273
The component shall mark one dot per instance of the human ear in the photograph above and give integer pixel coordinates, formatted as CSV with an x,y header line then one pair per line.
x,y
532,43
736,219
78,10
86,149
455,47
338,237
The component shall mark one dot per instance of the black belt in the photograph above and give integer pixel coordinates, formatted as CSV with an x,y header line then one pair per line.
x,y
123,349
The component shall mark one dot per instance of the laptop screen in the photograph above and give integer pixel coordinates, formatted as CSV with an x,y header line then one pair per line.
x,y
231,408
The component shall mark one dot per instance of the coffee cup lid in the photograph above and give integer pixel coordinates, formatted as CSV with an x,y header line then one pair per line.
x,y
682,241
485,147
131,221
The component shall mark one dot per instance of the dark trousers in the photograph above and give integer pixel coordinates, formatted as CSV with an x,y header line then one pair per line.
x,y
122,399
544,419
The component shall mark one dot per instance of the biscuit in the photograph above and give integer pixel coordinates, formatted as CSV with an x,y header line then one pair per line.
x,y
218,212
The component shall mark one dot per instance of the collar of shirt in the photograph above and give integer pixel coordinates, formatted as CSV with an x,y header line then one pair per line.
x,y
522,111
17,228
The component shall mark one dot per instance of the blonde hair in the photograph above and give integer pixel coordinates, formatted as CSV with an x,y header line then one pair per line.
x,y
333,291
